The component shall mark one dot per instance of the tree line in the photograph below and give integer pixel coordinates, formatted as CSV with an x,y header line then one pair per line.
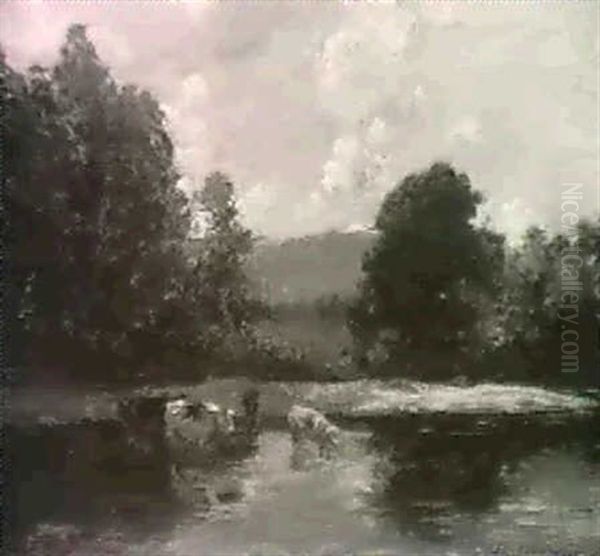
x,y
97,277
98,280
442,296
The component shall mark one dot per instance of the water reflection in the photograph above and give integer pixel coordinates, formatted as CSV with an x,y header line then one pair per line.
x,y
84,473
415,484
438,469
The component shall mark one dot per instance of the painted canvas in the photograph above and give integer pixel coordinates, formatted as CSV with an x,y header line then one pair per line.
x,y
300,278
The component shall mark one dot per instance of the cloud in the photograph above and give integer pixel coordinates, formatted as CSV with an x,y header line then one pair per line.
x,y
316,110
194,91
254,203
358,163
357,66
186,120
491,91
511,218
339,170
467,130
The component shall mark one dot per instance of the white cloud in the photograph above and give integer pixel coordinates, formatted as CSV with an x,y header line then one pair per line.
x,y
359,162
467,130
112,46
359,63
510,218
338,172
486,89
255,203
329,105
186,120
194,91
356,175
376,132
356,227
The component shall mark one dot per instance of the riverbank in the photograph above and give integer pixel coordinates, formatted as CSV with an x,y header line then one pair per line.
x,y
353,398
417,483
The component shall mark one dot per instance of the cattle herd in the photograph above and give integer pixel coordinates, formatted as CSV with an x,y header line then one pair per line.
x,y
191,430
196,431
153,444
151,433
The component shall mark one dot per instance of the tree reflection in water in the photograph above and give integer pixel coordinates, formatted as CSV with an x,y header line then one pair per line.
x,y
434,467
436,477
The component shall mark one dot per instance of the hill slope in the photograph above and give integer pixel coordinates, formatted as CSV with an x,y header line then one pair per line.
x,y
305,269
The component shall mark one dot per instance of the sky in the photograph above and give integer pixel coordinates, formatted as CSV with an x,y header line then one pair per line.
x,y
317,109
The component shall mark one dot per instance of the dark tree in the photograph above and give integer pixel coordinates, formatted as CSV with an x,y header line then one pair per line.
x,y
549,289
221,281
424,278
96,223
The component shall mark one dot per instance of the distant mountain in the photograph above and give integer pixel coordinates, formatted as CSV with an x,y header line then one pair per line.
x,y
304,269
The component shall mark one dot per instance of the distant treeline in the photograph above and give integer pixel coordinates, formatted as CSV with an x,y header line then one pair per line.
x,y
99,282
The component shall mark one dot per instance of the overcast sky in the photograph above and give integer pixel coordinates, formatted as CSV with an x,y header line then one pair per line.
x,y
317,109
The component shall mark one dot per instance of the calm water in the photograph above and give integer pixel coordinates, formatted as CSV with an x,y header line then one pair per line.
x,y
427,483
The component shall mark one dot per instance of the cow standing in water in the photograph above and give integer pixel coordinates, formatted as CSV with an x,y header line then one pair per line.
x,y
308,424
208,429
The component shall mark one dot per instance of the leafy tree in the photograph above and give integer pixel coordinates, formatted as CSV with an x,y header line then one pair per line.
x,y
96,223
535,308
588,246
419,299
221,281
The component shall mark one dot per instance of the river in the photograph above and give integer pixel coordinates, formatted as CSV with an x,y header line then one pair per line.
x,y
421,470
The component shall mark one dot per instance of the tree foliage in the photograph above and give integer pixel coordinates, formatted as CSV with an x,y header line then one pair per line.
x,y
441,296
95,223
549,296
222,285
98,282
426,273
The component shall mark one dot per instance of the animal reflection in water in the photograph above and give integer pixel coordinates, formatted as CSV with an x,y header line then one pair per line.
x,y
311,430
204,432
199,439
202,436
193,438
